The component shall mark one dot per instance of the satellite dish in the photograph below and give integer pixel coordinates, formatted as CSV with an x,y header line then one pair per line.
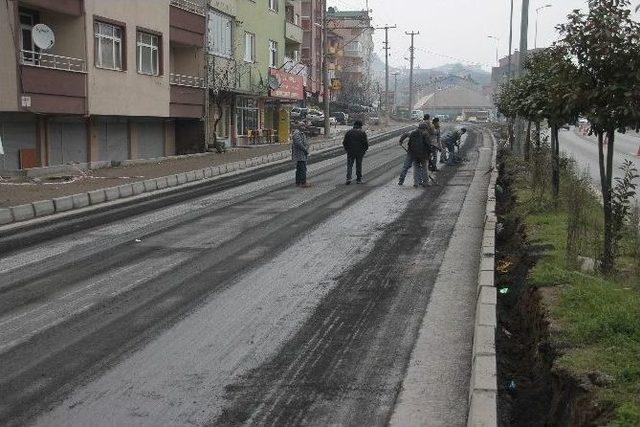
x,y
43,36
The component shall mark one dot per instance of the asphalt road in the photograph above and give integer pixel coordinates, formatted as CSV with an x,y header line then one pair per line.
x,y
259,304
584,150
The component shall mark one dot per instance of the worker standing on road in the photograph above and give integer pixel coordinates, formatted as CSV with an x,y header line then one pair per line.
x,y
300,155
452,140
417,155
356,145
436,145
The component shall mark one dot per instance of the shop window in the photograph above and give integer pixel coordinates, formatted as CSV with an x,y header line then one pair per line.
x,y
246,115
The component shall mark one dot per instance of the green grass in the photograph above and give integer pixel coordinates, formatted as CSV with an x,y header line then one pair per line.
x,y
599,318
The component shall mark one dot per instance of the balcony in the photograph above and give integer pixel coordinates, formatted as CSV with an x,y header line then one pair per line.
x,y
66,7
53,62
293,33
196,7
187,96
184,80
53,84
187,23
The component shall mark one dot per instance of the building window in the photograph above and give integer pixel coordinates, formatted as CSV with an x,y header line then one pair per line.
x,y
249,47
148,56
246,115
220,34
28,19
273,54
353,47
108,46
273,5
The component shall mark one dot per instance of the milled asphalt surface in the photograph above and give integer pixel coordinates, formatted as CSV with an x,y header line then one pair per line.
x,y
257,304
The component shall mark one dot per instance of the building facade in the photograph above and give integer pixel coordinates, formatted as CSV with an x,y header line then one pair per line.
x,y
312,20
253,49
354,48
129,79
119,83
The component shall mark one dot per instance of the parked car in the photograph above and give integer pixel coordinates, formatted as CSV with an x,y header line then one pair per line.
x,y
341,118
314,113
298,113
417,115
317,121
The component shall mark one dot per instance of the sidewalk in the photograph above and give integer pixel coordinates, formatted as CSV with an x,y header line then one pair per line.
x,y
18,192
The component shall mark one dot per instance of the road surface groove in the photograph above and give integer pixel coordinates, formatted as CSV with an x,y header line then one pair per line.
x,y
77,319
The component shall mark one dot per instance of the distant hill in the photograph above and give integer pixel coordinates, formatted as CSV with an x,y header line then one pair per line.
x,y
474,73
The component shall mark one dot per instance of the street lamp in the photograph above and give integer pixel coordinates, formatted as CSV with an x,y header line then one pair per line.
x,y
497,39
535,40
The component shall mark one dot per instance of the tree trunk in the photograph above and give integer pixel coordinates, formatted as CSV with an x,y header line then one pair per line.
x,y
555,162
511,134
527,143
218,117
606,178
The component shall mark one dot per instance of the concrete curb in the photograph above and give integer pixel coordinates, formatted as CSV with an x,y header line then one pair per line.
x,y
13,216
483,389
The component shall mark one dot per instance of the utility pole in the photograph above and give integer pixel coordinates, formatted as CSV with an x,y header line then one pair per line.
x,y
395,90
412,34
524,34
325,69
386,48
510,41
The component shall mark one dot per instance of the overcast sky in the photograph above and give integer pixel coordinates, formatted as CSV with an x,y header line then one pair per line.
x,y
458,28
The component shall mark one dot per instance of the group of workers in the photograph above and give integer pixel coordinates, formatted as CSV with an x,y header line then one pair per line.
x,y
424,144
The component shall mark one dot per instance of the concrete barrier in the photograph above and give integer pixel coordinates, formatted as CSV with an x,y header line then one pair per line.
x,y
80,200
112,193
22,212
125,190
483,390
43,208
97,196
63,204
5,216
138,187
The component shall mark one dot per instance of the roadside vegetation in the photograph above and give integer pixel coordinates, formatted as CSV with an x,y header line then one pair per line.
x,y
568,267
594,319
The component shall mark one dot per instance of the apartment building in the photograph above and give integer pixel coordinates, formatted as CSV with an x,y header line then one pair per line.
x,y
353,43
254,72
312,20
123,80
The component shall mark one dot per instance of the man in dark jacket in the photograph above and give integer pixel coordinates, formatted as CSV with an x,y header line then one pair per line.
x,y
300,155
356,145
418,153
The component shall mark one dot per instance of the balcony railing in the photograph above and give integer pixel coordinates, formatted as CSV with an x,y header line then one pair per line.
x,y
194,6
54,62
293,32
183,80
